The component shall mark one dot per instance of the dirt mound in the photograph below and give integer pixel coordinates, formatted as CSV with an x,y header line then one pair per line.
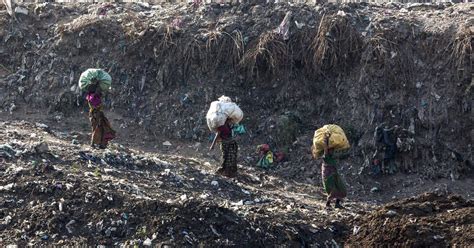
x,y
429,220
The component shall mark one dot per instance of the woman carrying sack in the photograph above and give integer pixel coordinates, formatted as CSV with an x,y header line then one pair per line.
x,y
223,117
102,131
332,182
94,82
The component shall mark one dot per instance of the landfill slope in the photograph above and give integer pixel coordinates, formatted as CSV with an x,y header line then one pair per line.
x,y
355,65
360,66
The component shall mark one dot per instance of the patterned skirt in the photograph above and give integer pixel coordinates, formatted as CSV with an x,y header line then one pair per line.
x,y
229,149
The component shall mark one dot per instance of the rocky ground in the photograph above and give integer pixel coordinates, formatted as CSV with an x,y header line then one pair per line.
x,y
356,65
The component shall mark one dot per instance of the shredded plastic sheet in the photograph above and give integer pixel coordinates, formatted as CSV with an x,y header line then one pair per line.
x,y
8,4
284,28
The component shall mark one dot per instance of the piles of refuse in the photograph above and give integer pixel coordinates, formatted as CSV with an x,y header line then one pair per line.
x,y
431,219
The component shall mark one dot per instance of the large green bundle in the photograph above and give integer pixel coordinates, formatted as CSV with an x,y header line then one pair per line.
x,y
91,76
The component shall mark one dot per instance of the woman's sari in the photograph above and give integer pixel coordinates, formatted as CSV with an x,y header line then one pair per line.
x,y
102,131
332,182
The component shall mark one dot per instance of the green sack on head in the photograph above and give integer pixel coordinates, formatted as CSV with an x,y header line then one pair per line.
x,y
90,76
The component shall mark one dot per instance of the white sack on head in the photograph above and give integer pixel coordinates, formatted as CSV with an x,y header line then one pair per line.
x,y
215,117
221,110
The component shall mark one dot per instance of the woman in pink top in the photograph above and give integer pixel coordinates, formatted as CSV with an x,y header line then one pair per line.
x,y
102,131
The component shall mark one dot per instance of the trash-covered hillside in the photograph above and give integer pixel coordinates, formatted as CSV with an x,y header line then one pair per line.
x,y
402,71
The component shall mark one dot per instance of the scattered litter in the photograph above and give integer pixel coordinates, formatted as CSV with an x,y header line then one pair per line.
x,y
239,203
147,242
149,80
7,220
355,230
299,25
7,151
334,243
284,27
8,4
7,187
21,10
374,189
215,231
391,213
249,203
69,226
438,237
166,172
436,96
41,125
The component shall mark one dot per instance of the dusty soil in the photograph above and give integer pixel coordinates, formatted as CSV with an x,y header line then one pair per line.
x,y
356,65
